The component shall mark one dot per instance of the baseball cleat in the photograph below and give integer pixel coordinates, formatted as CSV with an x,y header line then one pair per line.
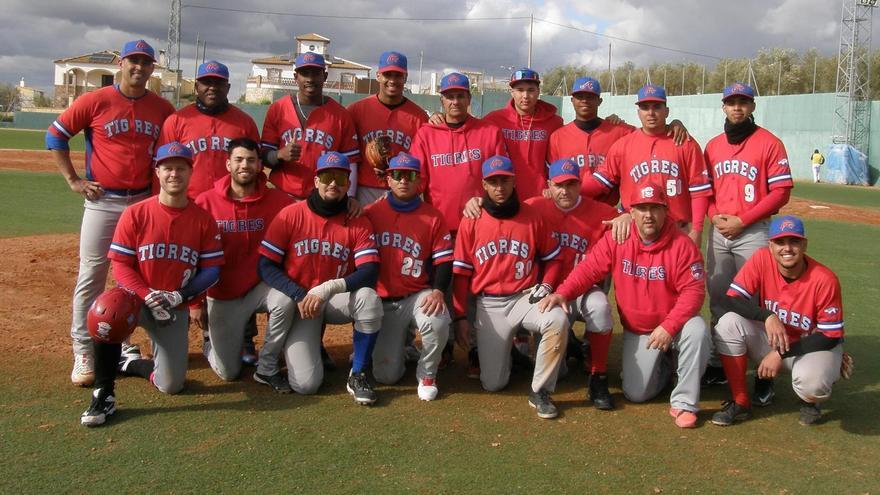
x,y
473,369
764,393
103,405
249,354
427,389
714,375
810,414
83,374
278,382
598,392
327,361
131,350
125,359
543,405
731,413
683,418
359,388
412,354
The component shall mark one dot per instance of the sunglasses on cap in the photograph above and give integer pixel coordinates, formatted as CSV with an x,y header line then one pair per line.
x,y
399,175
328,176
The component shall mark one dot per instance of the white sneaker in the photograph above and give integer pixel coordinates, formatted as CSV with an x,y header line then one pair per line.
x,y
101,408
427,389
83,374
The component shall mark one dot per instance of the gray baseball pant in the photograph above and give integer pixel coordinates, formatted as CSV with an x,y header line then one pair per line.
x,y
227,320
170,349
594,310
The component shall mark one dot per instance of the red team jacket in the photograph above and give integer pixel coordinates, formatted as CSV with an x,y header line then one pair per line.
x,y
744,174
208,137
655,284
165,245
811,303
587,148
681,170
315,249
576,230
452,162
527,138
373,119
242,224
410,245
329,128
120,133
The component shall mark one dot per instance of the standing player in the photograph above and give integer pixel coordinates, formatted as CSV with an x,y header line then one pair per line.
x,y
497,260
166,250
300,128
651,154
121,125
243,207
526,124
577,224
659,288
416,252
388,114
321,266
751,180
785,312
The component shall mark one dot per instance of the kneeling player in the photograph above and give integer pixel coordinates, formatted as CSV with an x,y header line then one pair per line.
x,y
785,312
166,250
416,252
497,259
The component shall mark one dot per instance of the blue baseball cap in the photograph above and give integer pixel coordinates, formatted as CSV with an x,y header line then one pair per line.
x,y
405,161
564,169
310,59
171,150
138,47
213,68
333,160
787,226
651,92
524,74
497,165
392,61
455,80
586,85
738,89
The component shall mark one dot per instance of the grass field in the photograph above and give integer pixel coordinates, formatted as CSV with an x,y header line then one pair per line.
x,y
860,197
33,140
240,436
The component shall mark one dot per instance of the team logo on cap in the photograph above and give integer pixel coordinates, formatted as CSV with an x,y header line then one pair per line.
x,y
568,167
496,163
738,87
786,225
587,85
650,90
104,329
140,45
393,58
175,148
308,57
212,67
332,159
453,78
647,192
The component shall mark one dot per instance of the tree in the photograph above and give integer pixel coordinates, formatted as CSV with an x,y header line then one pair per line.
x,y
8,93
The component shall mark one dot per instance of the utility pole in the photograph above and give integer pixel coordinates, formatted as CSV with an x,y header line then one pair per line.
x,y
682,77
703,82
779,79
725,73
421,56
198,45
815,61
172,49
531,27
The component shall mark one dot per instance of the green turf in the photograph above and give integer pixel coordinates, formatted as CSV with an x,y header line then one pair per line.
x,y
37,203
858,196
33,140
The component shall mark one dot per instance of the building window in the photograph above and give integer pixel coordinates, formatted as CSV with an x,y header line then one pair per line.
x,y
106,80
273,73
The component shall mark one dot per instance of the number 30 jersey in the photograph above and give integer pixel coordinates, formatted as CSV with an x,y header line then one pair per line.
x,y
410,245
166,245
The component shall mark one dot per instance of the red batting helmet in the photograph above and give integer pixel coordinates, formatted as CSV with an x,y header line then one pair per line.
x,y
113,316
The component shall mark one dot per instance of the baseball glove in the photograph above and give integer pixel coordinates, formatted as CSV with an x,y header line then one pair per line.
x,y
378,152
847,366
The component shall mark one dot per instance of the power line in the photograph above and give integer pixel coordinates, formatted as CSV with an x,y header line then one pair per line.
x,y
350,17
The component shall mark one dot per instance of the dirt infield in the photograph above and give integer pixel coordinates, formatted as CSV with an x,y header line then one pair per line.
x,y
36,160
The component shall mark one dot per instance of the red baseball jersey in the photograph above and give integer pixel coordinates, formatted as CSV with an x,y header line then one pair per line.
x,y
208,137
577,229
654,284
527,138
501,256
242,224
120,134
328,128
410,245
452,161
743,174
587,148
373,119
810,303
166,245
636,157
315,249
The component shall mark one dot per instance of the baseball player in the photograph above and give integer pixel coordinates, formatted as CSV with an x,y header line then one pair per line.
x,y
659,289
167,251
751,180
652,155
243,207
577,223
322,266
388,114
785,312
526,124
300,128
497,260
416,270
121,125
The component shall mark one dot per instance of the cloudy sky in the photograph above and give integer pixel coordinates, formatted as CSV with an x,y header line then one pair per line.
x,y
38,33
